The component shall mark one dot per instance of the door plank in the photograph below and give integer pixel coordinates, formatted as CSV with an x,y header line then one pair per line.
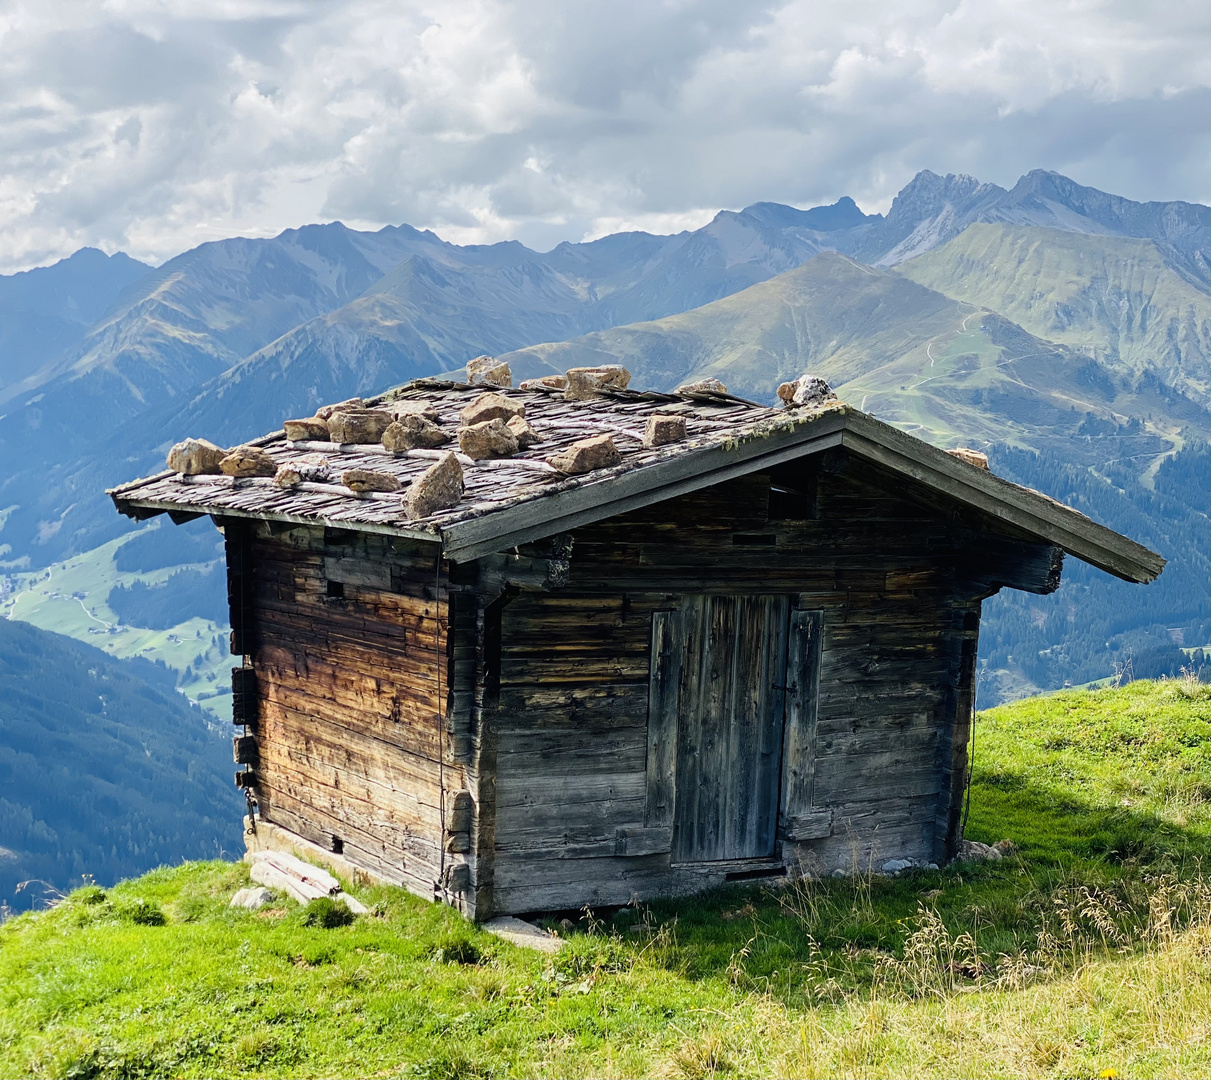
x,y
664,693
730,705
773,685
799,747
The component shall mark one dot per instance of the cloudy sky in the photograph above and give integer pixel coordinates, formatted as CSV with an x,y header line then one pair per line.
x,y
153,125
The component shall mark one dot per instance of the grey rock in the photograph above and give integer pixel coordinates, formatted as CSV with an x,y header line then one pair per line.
x,y
325,411
412,431
523,934
663,429
488,371
972,457
894,866
439,487
974,851
196,457
597,452
545,382
248,461
491,439
288,476
412,407
310,428
807,390
363,480
491,407
525,435
313,470
585,383
813,391
252,898
361,426
702,386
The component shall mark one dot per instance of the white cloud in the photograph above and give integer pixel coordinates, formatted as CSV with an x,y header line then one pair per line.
x,y
152,125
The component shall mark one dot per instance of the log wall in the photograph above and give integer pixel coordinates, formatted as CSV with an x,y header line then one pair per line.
x,y
899,633
481,732
355,670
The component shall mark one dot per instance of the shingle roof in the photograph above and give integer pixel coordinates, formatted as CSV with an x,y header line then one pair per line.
x,y
512,500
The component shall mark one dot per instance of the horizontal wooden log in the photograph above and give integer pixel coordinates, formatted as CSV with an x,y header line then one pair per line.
x,y
402,829
871,780
877,812
594,709
349,762
581,757
244,750
638,840
808,826
569,791
350,570
409,726
542,824
418,875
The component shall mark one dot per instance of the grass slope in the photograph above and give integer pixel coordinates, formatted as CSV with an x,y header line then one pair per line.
x,y
1113,297
1082,954
101,773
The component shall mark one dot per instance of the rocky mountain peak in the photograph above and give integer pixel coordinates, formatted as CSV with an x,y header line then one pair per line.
x,y
928,194
843,214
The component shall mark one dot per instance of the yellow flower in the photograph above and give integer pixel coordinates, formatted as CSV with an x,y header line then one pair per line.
x,y
1108,1074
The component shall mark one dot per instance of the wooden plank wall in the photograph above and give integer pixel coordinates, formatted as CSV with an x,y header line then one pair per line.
x,y
898,630
350,735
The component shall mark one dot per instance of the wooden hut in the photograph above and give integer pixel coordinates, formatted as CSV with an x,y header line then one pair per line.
x,y
748,651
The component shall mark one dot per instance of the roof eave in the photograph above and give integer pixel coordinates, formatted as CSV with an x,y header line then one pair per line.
x,y
130,507
791,435
1052,521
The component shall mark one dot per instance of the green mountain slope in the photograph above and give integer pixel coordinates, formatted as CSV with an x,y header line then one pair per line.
x,y
930,363
1114,298
159,594
101,772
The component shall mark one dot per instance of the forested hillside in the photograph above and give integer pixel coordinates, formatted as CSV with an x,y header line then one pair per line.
x,y
1095,622
105,771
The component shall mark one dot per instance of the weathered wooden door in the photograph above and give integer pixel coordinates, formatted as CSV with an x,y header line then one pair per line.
x,y
718,689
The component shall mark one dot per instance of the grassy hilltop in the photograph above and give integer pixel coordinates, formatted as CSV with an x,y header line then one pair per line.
x,y
1083,953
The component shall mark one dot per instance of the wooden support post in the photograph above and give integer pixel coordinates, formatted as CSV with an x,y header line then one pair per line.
x,y
955,735
244,703
240,586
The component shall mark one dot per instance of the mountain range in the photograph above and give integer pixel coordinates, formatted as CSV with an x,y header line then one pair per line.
x,y
45,313
1048,317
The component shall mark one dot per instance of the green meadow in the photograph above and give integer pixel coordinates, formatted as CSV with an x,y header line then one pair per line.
x,y
1084,952
71,598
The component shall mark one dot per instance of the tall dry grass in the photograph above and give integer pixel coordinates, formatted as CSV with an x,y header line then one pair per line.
x,y
1116,985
